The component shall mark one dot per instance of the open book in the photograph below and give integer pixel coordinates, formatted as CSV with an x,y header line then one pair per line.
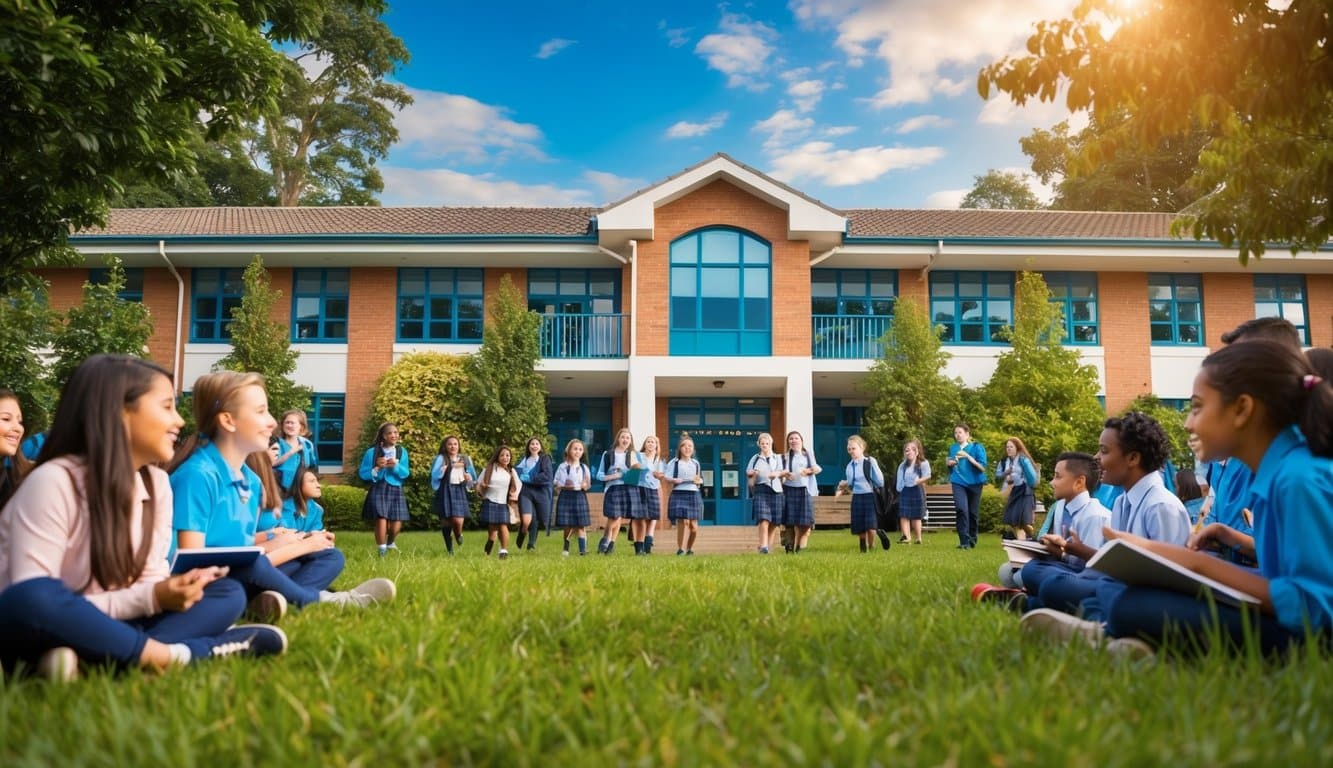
x,y
1138,567
205,557
1022,551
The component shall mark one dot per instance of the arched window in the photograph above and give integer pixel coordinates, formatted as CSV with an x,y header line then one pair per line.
x,y
720,294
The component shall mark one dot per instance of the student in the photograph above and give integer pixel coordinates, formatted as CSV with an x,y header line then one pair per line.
x,y
618,500
216,502
650,497
13,464
499,487
301,511
84,541
861,478
451,475
967,475
534,501
799,488
1020,480
1189,493
295,450
684,504
766,474
572,479
385,467
913,473
270,494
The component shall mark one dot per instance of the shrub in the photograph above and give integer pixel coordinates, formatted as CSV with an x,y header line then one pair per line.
x,y
991,511
342,507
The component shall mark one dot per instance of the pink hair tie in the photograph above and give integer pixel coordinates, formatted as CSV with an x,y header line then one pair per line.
x,y
1310,381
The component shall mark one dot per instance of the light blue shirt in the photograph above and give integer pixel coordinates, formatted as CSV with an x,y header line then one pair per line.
x,y
648,480
963,472
856,476
618,465
908,474
437,471
766,469
796,462
209,498
394,475
1151,511
566,472
1084,516
683,468
313,520
1291,497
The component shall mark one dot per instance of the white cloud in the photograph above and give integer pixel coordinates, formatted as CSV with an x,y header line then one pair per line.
x,y
839,130
447,125
946,198
441,186
821,161
552,47
611,187
687,130
676,36
782,127
922,121
806,93
1001,110
740,50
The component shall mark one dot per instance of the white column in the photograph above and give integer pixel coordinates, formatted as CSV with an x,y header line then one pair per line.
x,y
641,400
800,407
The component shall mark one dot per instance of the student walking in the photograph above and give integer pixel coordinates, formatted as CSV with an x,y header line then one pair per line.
x,y
799,487
650,497
861,478
385,467
910,480
572,479
619,500
765,473
684,504
499,487
1020,483
967,474
534,501
451,475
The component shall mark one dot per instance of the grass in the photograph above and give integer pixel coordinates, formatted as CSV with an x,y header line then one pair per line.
x,y
830,658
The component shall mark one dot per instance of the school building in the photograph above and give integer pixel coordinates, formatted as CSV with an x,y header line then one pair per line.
x,y
719,302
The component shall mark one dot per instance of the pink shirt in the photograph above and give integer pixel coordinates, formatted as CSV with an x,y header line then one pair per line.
x,y
44,533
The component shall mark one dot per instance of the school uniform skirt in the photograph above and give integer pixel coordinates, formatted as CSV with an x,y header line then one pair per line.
x,y
649,506
685,505
494,514
767,505
455,501
619,501
912,503
863,513
1018,510
571,510
798,509
387,502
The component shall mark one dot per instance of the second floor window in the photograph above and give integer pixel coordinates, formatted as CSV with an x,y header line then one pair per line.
x,y
319,305
973,307
1175,309
214,294
440,305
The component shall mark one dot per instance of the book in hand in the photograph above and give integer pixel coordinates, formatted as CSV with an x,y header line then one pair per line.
x,y
207,557
1137,567
1023,550
632,476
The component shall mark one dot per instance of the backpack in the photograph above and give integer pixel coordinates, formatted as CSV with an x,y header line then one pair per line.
x,y
886,501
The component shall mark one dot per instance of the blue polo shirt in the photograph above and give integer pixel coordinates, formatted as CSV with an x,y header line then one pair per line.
x,y
1151,511
287,469
1291,497
313,520
207,499
963,473
1231,494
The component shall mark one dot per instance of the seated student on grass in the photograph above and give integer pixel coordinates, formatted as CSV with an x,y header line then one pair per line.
x,y
301,511
84,541
270,493
217,503
13,464
1189,493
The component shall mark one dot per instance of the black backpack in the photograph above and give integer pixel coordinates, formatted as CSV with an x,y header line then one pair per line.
x,y
886,503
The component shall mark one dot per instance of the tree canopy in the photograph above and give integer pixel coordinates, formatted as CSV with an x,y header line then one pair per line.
x,y
506,397
102,323
1255,77
263,345
1006,190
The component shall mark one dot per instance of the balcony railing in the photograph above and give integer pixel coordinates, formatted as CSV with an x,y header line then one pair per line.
x,y
568,335
843,337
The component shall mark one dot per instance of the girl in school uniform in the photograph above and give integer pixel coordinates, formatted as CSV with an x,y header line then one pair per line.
x,y
216,503
294,450
649,509
911,479
1020,480
967,475
450,477
534,501
799,490
13,464
1189,493
685,504
301,511
766,475
499,487
572,479
385,467
84,541
618,500
861,478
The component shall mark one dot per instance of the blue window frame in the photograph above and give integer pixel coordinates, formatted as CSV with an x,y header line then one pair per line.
x,y
834,423
973,307
440,304
850,310
585,418
133,290
574,291
319,305
214,293
1175,309
1075,293
720,294
325,418
1282,296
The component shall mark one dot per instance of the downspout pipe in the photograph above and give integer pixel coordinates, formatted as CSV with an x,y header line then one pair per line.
x,y
634,297
939,251
180,316
821,258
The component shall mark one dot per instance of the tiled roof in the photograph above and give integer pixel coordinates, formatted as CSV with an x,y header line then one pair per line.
x,y
347,221
891,222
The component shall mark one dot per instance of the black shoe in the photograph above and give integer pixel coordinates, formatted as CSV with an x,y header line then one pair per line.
x,y
884,539
490,544
521,538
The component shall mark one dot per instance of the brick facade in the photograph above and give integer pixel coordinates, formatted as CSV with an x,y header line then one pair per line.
x,y
1126,336
372,297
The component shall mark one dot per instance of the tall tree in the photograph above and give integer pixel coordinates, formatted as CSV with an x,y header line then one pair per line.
x,y
334,118
506,396
263,345
1257,76
1005,190
26,327
224,174
102,323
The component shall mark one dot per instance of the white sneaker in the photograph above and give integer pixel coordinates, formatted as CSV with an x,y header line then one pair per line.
x,y
1061,626
1131,648
252,640
378,590
393,546
268,607
345,599
59,665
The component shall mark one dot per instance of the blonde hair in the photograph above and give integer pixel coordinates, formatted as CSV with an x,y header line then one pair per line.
x,y
623,431
644,447
300,416
761,436
681,442
861,441
569,447
214,394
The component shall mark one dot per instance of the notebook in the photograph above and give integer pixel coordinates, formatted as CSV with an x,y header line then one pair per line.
x,y
1025,550
1138,567
206,557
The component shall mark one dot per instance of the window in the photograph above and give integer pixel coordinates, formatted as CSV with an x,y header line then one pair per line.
x,y
440,305
720,301
325,419
215,293
834,423
319,305
1282,296
1175,309
587,419
1075,293
574,291
973,307
850,310
133,290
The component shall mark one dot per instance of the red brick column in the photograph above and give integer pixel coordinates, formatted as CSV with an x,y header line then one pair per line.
x,y
1126,336
1319,309
1228,301
372,297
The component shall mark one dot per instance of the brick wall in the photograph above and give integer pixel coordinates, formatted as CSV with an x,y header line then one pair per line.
x,y
912,285
65,287
1228,301
1126,336
280,281
371,320
1319,309
492,278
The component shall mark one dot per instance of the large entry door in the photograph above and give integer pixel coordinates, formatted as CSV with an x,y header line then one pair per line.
x,y
724,433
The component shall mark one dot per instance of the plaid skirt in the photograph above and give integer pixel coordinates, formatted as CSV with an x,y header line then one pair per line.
x,y
571,510
1020,507
619,501
455,501
684,505
863,513
767,505
649,506
912,503
387,502
798,508
494,514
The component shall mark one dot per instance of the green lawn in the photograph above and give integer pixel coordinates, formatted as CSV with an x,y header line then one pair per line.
x,y
830,658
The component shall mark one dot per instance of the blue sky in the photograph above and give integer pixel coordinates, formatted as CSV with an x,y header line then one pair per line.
x,y
860,103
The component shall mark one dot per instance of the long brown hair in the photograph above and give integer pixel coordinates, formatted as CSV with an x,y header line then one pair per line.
x,y
261,464
89,422
214,393
12,471
298,496
495,462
